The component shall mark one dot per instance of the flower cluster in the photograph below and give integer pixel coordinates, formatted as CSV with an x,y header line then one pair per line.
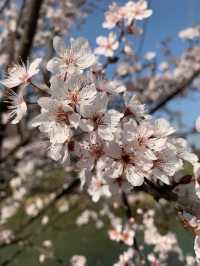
x,y
114,149
98,128
128,13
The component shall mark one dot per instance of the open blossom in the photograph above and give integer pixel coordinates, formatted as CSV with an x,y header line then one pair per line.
x,y
120,162
123,69
166,165
76,91
21,74
126,235
136,11
96,116
143,138
56,119
89,151
107,45
113,16
150,55
134,107
125,259
113,150
189,33
17,106
73,59
78,260
110,87
97,188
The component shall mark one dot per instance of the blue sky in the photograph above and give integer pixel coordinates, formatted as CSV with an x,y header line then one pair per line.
x,y
169,17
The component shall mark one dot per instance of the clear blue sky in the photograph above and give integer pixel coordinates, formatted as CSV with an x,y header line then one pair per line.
x,y
169,17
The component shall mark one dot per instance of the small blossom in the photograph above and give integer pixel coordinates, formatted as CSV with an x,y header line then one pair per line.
x,y
95,117
17,106
134,107
107,45
56,119
113,16
75,91
126,258
137,11
150,56
98,188
189,33
78,260
73,59
21,74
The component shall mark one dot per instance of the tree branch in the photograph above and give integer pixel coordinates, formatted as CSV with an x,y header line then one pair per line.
x,y
180,88
33,12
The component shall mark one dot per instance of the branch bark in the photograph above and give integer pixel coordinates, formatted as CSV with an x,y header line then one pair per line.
x,y
180,88
33,13
187,201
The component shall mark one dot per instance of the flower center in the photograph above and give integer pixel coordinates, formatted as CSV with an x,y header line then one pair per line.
x,y
24,76
74,96
126,158
96,151
68,60
62,116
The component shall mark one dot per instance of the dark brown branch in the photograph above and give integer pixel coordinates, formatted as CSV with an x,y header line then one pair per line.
x,y
24,226
182,86
32,16
4,5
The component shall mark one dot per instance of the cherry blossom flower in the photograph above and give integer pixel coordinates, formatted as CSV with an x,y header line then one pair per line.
x,y
166,165
76,91
17,106
73,59
189,33
78,260
107,45
98,188
126,235
111,87
115,233
89,151
96,117
123,69
6,236
183,151
56,119
137,11
144,138
134,107
113,16
150,55
21,74
120,162
126,258
162,128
